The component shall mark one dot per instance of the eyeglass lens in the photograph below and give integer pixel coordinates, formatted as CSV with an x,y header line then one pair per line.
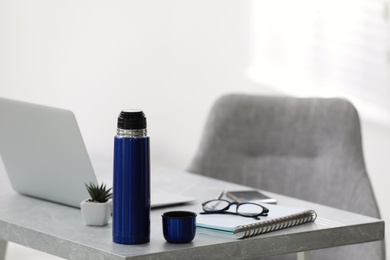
x,y
215,205
249,209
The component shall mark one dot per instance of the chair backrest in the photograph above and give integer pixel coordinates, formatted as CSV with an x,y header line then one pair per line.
x,y
308,148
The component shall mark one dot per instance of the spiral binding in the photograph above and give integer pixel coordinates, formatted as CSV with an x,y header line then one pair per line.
x,y
276,224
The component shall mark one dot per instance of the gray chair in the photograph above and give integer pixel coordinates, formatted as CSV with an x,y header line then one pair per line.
x,y
308,148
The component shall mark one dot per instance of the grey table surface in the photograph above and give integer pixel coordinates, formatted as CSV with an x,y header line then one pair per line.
x,y
60,230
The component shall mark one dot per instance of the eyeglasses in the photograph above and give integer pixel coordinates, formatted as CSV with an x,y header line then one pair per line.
x,y
245,209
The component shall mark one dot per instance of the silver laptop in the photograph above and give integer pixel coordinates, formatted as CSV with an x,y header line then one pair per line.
x,y
45,157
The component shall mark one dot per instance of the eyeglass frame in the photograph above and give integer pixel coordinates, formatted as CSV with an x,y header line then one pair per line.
x,y
263,213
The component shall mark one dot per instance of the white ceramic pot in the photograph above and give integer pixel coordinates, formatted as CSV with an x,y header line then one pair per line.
x,y
96,214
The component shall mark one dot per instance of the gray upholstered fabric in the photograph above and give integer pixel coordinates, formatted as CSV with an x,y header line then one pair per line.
x,y
308,148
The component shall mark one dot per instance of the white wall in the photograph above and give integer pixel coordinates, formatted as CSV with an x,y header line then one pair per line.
x,y
170,58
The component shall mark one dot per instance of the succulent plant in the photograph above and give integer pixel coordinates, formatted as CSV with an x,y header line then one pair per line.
x,y
99,194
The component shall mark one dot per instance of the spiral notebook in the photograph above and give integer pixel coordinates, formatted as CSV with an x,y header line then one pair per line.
x,y
279,217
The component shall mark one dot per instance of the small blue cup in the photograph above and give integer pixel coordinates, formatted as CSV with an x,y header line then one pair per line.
x,y
179,226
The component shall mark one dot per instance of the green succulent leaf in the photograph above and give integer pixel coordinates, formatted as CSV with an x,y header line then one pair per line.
x,y
99,193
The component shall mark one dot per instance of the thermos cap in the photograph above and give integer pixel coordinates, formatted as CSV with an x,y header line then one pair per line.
x,y
131,119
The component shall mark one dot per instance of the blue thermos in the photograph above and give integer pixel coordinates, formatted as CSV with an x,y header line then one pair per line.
x,y
131,190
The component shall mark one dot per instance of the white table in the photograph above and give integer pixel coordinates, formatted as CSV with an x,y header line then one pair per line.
x,y
59,230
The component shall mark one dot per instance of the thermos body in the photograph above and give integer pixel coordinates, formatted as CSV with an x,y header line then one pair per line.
x,y
131,190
